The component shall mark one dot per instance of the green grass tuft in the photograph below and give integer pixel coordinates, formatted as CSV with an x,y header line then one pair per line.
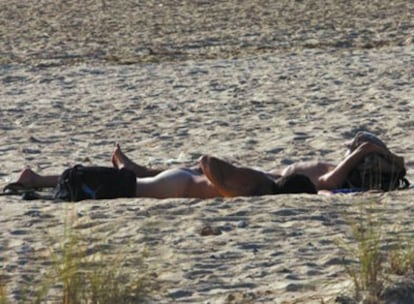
x,y
80,273
380,257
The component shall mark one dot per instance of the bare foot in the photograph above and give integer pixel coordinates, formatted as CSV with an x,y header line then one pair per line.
x,y
28,178
233,181
120,160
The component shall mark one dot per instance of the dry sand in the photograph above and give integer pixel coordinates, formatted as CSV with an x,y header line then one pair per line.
x,y
262,83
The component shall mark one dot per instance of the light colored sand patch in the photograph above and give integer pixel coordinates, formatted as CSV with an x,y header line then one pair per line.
x,y
264,91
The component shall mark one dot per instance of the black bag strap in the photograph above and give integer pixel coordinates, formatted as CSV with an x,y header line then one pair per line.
x,y
405,183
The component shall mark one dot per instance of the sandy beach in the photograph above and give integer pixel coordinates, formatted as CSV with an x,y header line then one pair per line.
x,y
262,84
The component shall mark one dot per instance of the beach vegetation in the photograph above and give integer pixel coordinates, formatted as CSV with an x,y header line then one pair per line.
x,y
367,274
3,293
375,257
80,272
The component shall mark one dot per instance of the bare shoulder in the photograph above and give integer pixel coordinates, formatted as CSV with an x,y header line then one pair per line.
x,y
313,167
314,164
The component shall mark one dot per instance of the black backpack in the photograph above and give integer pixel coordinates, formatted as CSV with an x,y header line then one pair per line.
x,y
81,183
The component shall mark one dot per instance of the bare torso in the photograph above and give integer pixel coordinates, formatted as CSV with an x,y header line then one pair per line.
x,y
312,169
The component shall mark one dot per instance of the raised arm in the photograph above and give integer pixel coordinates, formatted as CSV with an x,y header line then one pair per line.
x,y
337,177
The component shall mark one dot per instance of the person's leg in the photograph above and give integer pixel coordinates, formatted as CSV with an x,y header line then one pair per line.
x,y
120,160
232,181
176,183
29,178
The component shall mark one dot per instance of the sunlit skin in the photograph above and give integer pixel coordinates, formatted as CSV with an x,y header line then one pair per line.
x,y
214,177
